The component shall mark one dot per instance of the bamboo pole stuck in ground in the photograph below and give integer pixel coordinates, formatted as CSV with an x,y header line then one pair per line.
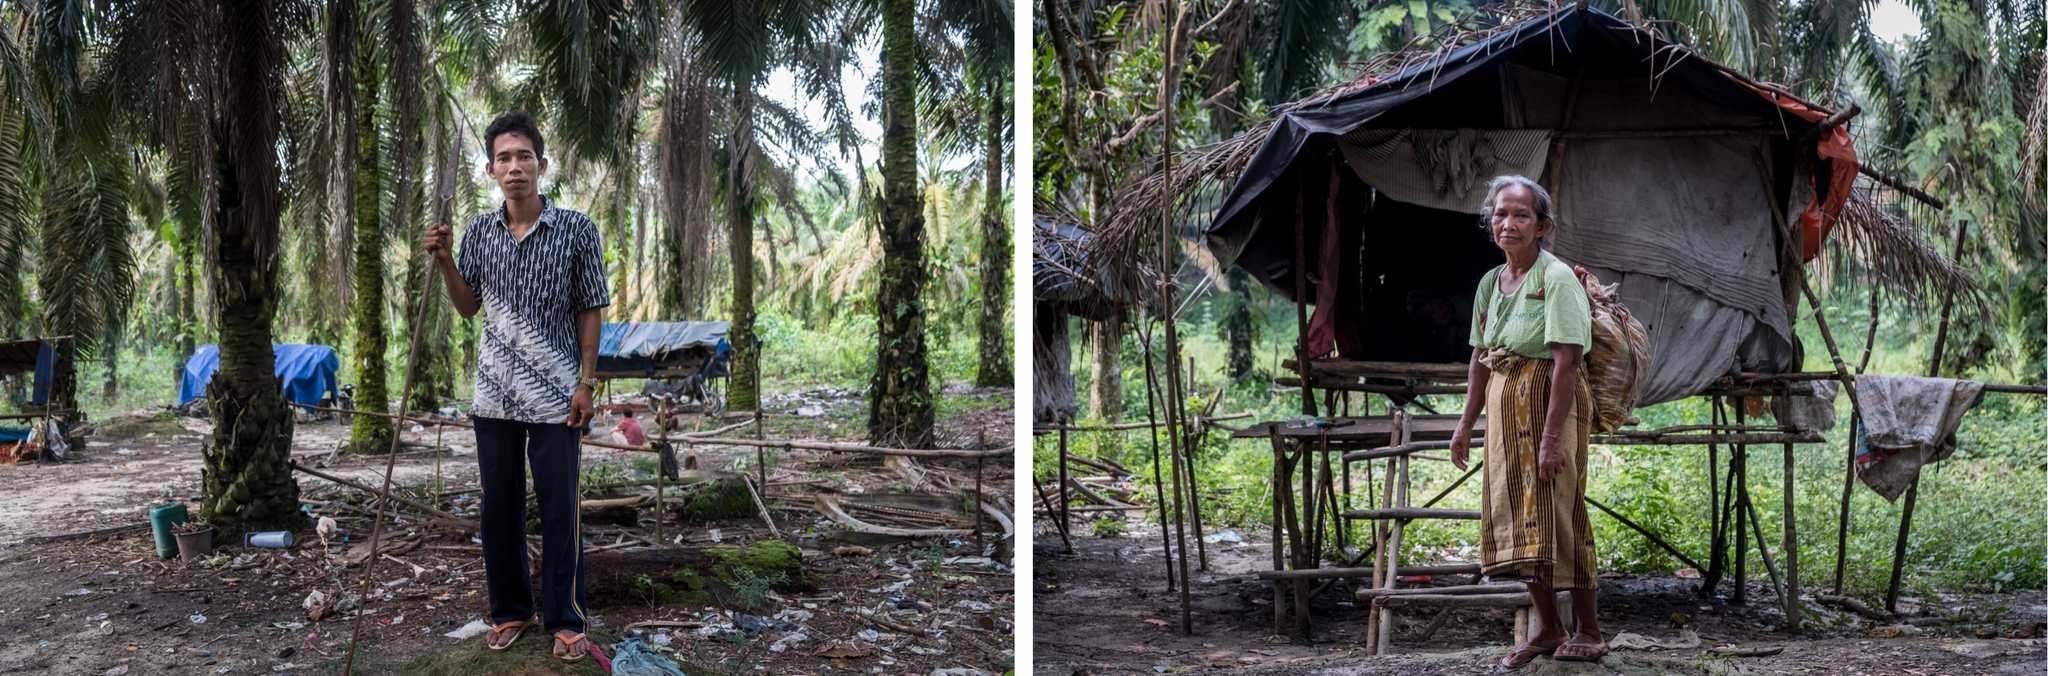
x,y
1152,435
1849,464
1791,547
1047,501
1279,542
418,314
1066,521
1645,532
1948,298
1194,486
1739,471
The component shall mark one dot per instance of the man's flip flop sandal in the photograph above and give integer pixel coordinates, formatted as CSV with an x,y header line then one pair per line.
x,y
566,650
514,628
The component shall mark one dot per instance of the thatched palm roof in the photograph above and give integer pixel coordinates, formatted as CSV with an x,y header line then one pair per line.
x,y
1067,272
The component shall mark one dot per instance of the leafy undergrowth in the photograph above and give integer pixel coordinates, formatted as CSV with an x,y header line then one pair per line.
x,y
1977,526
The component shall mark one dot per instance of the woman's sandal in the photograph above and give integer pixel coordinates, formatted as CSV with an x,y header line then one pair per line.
x,y
497,639
1522,655
572,648
1580,652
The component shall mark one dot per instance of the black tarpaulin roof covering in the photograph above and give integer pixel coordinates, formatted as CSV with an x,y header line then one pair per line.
x,y
1666,166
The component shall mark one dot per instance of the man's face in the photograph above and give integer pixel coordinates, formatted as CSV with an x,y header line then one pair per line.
x,y
515,166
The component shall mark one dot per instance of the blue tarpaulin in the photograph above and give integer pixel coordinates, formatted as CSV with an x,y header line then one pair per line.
x,y
646,347
305,371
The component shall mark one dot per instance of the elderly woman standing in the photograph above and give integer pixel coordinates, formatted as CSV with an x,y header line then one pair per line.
x,y
1531,324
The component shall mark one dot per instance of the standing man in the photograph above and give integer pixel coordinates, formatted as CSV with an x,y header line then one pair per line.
x,y
538,271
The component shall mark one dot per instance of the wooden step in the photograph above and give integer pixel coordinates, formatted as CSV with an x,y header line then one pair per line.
x,y
1325,573
1412,513
1515,600
1458,590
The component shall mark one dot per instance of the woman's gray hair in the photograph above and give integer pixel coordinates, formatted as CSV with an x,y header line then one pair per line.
x,y
1542,200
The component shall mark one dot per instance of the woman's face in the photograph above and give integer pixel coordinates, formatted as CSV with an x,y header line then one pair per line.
x,y
1515,228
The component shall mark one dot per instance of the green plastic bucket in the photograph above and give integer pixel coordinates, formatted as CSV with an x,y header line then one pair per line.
x,y
161,519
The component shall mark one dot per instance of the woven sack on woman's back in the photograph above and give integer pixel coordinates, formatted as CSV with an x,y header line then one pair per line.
x,y
1619,360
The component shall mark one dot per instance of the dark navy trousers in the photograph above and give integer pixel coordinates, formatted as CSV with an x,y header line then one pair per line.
x,y
504,449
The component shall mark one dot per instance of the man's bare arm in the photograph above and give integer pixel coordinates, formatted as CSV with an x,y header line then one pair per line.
x,y
459,293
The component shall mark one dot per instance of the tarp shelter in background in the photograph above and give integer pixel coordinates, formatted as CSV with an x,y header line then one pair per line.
x,y
663,349
22,356
306,373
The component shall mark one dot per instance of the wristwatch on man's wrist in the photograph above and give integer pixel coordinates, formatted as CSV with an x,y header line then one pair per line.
x,y
590,383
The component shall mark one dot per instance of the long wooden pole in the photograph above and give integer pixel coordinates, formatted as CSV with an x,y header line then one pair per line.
x,y
1193,435
1849,465
1948,298
1152,435
417,315
1169,92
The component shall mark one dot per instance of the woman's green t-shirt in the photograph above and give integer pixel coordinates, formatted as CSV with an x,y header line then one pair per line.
x,y
1550,307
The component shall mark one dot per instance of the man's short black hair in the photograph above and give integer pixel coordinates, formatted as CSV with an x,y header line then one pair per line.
x,y
515,122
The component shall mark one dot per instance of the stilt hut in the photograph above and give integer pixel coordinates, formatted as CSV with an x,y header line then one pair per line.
x,y
1703,192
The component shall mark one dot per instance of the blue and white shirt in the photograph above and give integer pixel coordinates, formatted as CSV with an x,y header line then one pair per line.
x,y
530,290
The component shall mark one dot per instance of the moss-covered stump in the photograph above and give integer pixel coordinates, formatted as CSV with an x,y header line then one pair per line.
x,y
737,577
722,499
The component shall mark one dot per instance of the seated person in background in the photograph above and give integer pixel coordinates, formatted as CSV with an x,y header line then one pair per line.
x,y
629,430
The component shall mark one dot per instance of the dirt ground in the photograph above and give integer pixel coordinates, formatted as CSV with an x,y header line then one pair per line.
x,y
1104,609
108,605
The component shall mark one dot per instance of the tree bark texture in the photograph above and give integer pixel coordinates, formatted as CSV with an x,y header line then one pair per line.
x,y
900,399
247,476
370,434
743,389
995,368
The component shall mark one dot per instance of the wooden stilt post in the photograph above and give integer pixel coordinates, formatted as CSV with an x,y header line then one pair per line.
x,y
1711,577
1948,299
1066,523
1279,536
1849,465
760,451
1756,529
981,439
1790,592
1047,500
1740,471
1301,300
1194,487
1400,435
1152,434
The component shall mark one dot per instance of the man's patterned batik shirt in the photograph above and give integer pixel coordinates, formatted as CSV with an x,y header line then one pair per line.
x,y
530,290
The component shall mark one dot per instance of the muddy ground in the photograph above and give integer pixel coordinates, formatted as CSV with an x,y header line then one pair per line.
x,y
1104,609
108,605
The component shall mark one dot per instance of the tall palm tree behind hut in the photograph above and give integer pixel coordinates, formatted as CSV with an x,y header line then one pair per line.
x,y
900,398
370,433
248,477
737,44
965,100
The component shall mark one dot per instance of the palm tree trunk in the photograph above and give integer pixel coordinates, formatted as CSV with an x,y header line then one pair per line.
x,y
995,250
1238,323
247,475
371,434
1106,391
900,400
743,393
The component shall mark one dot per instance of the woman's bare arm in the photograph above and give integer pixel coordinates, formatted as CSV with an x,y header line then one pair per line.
x,y
1564,377
1476,376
